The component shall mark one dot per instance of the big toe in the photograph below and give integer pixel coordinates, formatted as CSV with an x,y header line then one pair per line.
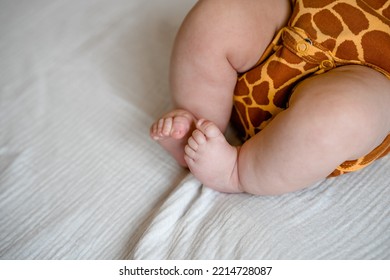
x,y
181,125
209,128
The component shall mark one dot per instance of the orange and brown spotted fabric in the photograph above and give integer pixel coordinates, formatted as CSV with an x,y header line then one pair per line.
x,y
321,35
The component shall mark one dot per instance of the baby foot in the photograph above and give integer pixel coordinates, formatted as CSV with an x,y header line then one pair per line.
x,y
172,131
212,159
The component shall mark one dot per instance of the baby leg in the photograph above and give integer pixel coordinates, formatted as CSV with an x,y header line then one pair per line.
x,y
337,116
217,39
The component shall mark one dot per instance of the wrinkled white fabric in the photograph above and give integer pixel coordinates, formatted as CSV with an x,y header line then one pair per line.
x,y
80,84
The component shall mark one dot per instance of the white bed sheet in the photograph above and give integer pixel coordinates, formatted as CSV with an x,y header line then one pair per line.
x,y
80,83
344,218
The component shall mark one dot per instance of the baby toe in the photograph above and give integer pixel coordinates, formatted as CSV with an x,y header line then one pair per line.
x,y
167,127
180,126
198,137
154,131
160,126
192,143
208,128
189,152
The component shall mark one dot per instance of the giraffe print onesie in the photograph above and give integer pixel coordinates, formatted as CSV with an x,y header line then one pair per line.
x,y
320,35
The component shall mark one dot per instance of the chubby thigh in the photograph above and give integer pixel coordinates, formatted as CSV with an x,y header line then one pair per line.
x,y
358,97
333,117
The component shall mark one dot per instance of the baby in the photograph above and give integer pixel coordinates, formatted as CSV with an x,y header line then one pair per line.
x,y
308,81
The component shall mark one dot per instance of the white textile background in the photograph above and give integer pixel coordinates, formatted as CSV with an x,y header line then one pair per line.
x,y
80,84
